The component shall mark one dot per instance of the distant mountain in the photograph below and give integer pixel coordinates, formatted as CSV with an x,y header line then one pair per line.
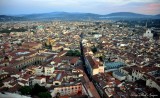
x,y
125,14
11,18
62,15
157,15
77,16
128,15
45,15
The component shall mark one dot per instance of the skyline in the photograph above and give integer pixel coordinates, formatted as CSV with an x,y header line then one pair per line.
x,y
17,7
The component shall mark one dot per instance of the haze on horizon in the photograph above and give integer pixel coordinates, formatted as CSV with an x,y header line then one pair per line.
x,y
16,7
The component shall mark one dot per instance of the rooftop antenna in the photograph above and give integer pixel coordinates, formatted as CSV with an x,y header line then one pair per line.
x,y
146,25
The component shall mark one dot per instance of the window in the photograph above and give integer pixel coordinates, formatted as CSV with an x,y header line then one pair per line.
x,y
56,83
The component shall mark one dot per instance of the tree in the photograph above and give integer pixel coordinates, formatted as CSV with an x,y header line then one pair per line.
x,y
70,53
37,89
73,53
25,90
94,49
77,53
44,95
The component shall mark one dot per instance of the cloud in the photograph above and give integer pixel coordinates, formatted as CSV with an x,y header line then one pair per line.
x,y
93,6
124,2
150,8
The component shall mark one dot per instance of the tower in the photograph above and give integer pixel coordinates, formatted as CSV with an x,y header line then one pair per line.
x,y
146,25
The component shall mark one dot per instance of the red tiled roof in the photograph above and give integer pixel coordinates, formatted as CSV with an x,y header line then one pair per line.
x,y
22,81
15,88
39,77
74,60
93,63
62,53
9,79
59,75
57,60
10,70
66,96
26,76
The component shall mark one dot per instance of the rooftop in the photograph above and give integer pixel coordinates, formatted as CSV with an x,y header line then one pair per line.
x,y
118,73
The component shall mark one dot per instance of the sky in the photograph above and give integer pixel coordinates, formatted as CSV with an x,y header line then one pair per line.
x,y
16,7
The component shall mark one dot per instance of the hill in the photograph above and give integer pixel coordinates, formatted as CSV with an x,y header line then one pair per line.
x,y
4,18
77,16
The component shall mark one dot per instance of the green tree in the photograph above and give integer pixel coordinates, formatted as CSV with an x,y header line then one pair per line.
x,y
37,89
94,49
70,53
25,90
44,95
73,53
77,53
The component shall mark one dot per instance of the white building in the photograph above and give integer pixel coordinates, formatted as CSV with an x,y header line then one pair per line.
x,y
119,75
94,67
48,70
97,35
148,74
58,79
67,90
148,34
39,80
39,70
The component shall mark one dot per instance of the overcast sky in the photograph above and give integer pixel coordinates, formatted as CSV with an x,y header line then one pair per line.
x,y
14,7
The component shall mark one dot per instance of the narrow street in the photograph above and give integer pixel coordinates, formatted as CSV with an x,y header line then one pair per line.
x,y
87,76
